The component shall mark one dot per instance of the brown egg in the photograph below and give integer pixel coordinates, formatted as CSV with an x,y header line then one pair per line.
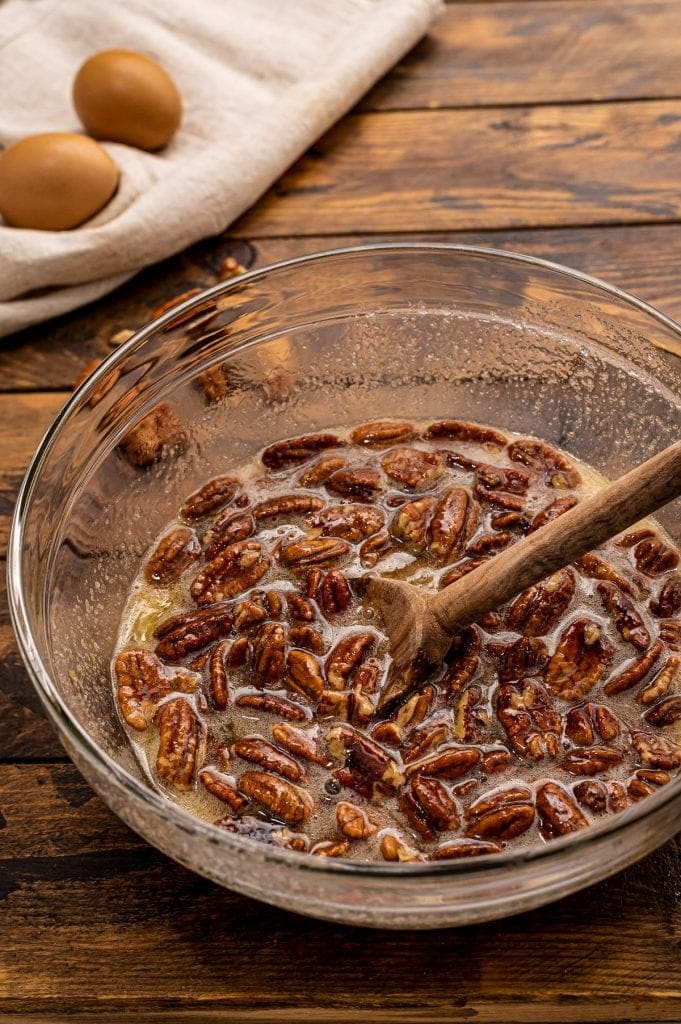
x,y
54,181
126,97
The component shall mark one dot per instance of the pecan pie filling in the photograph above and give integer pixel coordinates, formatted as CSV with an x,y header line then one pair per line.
x,y
249,673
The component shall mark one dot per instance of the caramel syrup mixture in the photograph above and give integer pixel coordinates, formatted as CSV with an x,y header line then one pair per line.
x,y
248,673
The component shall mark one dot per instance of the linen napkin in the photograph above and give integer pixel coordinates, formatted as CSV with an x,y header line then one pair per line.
x,y
260,81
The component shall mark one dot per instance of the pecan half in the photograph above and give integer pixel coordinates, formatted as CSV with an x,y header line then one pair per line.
x,y
539,608
183,634
653,557
661,684
628,622
211,496
303,675
587,721
296,742
217,671
158,434
644,782
305,635
558,813
383,433
362,482
411,522
298,449
300,554
453,523
499,499
353,821
591,760
670,632
234,570
489,543
463,658
497,760
172,555
582,656
668,601
182,740
447,764
299,608
247,614
259,751
286,505
375,548
595,568
464,848
320,472
349,522
634,671
369,769
665,712
460,570
393,849
551,512
657,751
412,467
346,656
557,468
268,653
471,720
280,798
335,593
529,719
274,705
501,814
229,528
459,430
510,521
526,656
436,803
142,682
219,786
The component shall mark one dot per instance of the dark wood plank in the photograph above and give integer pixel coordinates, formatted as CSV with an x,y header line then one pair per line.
x,y
487,168
98,925
642,259
549,51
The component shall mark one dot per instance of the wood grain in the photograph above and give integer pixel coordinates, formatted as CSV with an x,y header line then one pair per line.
x,y
85,904
484,54
642,259
485,168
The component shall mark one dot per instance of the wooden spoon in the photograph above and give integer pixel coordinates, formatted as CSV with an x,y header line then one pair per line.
x,y
420,626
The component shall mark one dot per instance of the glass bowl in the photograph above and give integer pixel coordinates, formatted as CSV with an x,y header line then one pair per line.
x,y
422,331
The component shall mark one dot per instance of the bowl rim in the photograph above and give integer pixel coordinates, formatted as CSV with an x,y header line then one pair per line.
x,y
161,806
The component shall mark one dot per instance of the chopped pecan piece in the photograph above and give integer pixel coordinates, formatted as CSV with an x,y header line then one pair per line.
x,y
586,721
551,512
296,742
346,656
582,656
375,548
592,794
280,798
366,676
220,787
298,449
670,632
617,797
412,467
591,760
665,712
471,720
498,478
464,848
653,557
182,740
229,528
539,608
558,813
142,682
501,814
259,751
411,523
489,543
330,848
217,671
265,832
268,653
453,523
383,433
668,601
463,660
212,496
460,570
274,604
422,740
287,505
334,704
634,671
409,714
393,849
596,569
353,821
369,769
496,761
159,433
247,614
644,782
557,468
459,430
526,656
300,554
447,764
234,570
362,482
499,499
320,472
299,609
628,622
349,522
275,705
335,593
172,555
183,634
303,675
529,719
305,635
661,684
510,521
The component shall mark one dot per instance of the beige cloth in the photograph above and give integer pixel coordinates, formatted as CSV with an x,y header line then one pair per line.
x,y
260,81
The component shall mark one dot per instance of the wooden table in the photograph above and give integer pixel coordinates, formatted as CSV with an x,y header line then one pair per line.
x,y
551,127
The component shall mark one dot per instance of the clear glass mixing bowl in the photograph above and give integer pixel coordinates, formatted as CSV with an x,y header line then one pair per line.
x,y
424,331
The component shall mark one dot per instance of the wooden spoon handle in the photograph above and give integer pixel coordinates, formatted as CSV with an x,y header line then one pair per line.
x,y
593,521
